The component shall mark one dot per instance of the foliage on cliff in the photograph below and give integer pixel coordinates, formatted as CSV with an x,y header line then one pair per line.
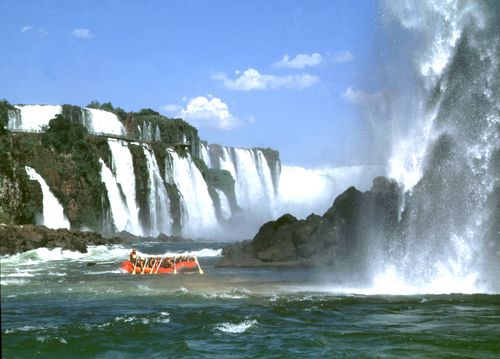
x,y
4,115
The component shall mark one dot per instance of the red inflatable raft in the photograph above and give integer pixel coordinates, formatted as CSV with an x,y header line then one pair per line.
x,y
180,266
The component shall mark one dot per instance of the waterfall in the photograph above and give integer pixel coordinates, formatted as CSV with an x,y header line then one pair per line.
x,y
149,132
198,211
125,179
449,162
32,117
304,191
119,210
159,202
53,212
102,122
205,155
225,208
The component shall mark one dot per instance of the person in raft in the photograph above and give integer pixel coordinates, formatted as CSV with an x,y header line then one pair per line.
x,y
133,256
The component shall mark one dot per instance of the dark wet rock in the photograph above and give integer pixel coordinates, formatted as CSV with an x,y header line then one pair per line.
x,y
15,239
336,236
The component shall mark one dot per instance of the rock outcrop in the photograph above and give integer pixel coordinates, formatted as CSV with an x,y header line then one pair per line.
x,y
336,236
15,239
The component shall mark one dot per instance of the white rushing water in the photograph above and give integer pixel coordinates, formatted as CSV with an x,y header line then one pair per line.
x,y
205,155
198,210
119,210
103,122
124,175
224,204
53,212
254,186
159,202
32,117
446,160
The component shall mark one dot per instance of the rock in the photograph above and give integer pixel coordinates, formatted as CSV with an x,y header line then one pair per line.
x,y
15,239
336,236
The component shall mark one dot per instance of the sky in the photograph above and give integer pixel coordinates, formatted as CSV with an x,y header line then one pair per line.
x,y
286,74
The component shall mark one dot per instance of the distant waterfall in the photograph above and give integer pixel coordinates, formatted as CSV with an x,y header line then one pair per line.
x,y
123,169
224,204
198,210
53,212
304,191
159,202
254,184
100,121
32,117
205,156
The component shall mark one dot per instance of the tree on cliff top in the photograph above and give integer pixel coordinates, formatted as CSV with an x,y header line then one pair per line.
x,y
62,134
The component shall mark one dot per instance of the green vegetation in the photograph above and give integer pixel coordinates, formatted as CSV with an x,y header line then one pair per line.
x,y
62,134
4,115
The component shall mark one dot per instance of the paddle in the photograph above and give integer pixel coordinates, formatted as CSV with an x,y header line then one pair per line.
x,y
145,265
175,268
135,265
153,266
199,267
159,265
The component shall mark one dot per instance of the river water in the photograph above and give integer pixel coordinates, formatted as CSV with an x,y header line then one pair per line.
x,y
66,304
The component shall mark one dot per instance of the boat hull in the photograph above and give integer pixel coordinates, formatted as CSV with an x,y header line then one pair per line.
x,y
181,266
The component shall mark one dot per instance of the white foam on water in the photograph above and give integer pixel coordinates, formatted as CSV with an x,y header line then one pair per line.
x,y
10,281
236,328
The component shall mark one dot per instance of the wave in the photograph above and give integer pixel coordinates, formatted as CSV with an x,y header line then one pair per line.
x,y
236,328
97,254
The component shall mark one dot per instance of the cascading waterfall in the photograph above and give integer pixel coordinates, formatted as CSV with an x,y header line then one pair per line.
x,y
254,186
450,162
123,169
102,122
224,204
53,212
32,117
119,210
198,210
159,202
205,156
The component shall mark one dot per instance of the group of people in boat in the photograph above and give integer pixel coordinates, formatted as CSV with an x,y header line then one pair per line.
x,y
159,262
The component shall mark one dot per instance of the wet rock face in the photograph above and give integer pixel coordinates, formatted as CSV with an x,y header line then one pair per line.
x,y
15,239
322,240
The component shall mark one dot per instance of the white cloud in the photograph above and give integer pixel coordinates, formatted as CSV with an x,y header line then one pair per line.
x,y
208,112
82,33
34,30
252,79
343,56
300,61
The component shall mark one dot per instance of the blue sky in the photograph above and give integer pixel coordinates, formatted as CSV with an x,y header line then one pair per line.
x,y
289,75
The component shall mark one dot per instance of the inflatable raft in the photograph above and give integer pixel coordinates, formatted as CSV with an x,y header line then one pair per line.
x,y
182,266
